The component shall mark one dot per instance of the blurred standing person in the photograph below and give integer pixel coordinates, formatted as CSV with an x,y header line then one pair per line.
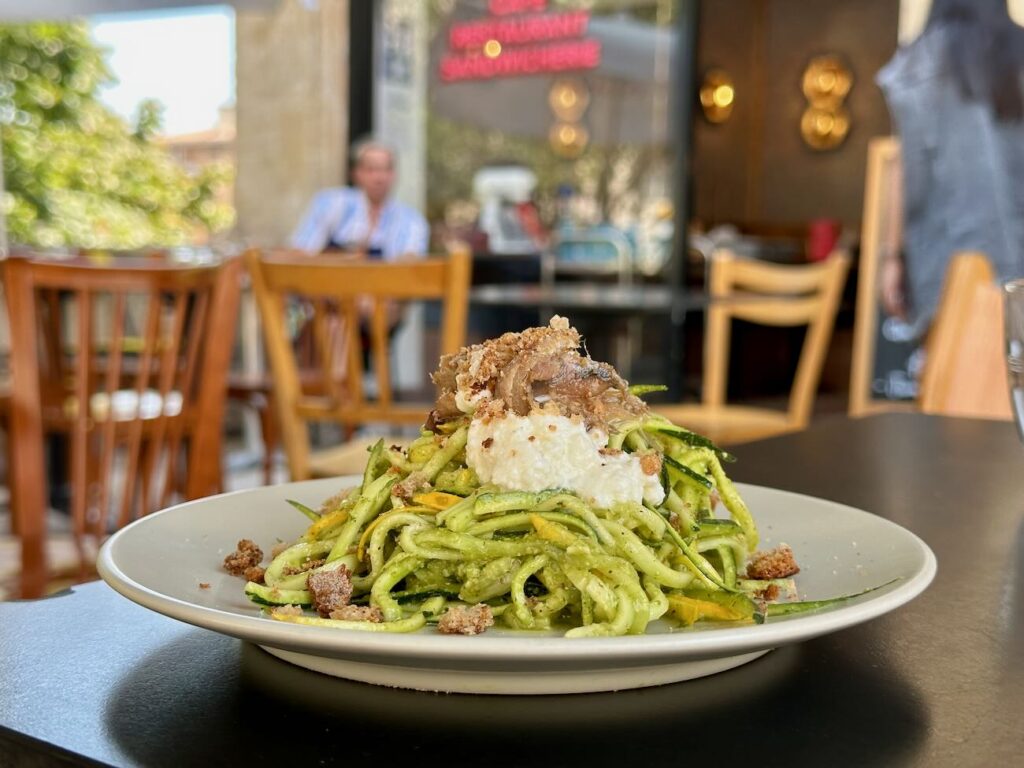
x,y
956,95
364,219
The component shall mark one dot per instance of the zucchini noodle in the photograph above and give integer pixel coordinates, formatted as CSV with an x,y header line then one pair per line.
x,y
540,560
544,494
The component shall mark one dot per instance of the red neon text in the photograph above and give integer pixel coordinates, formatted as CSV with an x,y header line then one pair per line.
x,y
517,31
529,60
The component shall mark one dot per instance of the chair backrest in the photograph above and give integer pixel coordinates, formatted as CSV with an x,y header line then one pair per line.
x,y
881,232
131,401
775,295
345,302
965,370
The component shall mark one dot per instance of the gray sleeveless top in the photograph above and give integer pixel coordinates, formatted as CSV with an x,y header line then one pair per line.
x,y
963,172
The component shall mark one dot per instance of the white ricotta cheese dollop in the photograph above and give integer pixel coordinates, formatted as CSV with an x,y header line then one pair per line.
x,y
543,451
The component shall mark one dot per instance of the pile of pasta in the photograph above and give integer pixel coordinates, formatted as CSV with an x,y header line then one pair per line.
x,y
533,560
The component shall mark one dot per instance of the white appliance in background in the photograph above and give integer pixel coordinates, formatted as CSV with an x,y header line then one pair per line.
x,y
499,190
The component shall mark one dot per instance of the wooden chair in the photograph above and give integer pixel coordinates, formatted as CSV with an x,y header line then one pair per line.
x,y
346,298
773,295
881,233
965,370
128,411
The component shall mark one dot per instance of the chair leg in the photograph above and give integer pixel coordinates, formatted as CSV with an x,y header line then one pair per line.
x,y
34,568
12,498
268,431
220,474
6,476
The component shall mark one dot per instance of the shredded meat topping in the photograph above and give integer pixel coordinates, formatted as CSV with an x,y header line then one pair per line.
x,y
287,610
777,563
246,556
330,590
539,367
255,573
466,619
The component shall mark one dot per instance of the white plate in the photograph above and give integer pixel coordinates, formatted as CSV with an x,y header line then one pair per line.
x,y
161,560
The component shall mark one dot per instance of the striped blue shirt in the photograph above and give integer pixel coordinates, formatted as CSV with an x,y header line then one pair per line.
x,y
339,218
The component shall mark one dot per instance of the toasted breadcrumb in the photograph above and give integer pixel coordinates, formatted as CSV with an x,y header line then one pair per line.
x,y
466,619
309,565
288,610
769,594
204,585
330,590
650,463
255,573
358,613
334,502
776,563
406,488
246,556
490,409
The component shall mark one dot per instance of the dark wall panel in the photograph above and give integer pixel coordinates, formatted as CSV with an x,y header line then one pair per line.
x,y
728,40
756,168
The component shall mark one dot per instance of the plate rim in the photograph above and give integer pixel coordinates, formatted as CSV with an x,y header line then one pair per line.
x,y
505,648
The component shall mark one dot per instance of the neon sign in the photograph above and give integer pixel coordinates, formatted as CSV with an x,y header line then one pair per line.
x,y
519,38
518,31
525,60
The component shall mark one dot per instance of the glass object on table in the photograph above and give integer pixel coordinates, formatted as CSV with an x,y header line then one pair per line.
x,y
1014,291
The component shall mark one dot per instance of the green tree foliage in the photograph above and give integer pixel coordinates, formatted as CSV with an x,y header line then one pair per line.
x,y
75,173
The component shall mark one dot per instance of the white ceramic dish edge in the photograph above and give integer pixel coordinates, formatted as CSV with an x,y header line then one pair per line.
x,y
375,658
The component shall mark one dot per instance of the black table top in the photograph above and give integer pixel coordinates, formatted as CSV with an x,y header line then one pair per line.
x,y
87,677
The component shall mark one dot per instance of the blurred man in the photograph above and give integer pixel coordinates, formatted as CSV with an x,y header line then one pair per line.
x,y
364,219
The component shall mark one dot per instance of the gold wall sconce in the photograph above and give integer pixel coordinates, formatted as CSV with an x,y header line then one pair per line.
x,y
825,124
824,129
827,80
568,99
717,96
568,139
